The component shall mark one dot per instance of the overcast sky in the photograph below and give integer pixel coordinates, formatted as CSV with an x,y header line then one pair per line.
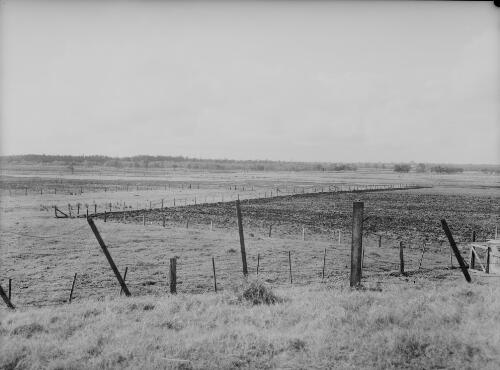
x,y
312,81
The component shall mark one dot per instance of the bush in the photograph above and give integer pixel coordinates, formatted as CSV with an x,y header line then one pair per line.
x,y
443,169
420,168
402,168
257,292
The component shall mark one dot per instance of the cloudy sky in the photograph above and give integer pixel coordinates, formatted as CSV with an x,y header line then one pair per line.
x,y
284,80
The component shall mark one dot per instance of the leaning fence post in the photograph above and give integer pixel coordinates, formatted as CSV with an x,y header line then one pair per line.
x,y
124,277
108,256
455,250
173,275
357,243
290,265
72,288
5,298
215,279
242,239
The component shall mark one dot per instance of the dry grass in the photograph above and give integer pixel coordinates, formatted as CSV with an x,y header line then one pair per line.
x,y
447,325
257,292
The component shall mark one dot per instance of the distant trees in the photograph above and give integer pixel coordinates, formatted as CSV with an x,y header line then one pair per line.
x,y
446,169
402,167
420,168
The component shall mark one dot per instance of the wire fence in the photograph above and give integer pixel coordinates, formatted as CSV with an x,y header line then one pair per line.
x,y
313,255
281,262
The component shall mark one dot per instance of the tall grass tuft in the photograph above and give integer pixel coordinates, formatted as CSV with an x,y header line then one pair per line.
x,y
257,292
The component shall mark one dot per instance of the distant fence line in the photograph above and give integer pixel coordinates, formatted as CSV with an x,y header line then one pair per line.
x,y
118,207
18,189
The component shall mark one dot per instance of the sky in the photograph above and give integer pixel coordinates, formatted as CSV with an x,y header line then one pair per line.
x,y
328,81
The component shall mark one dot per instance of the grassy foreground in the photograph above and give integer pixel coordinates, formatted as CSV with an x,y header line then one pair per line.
x,y
447,325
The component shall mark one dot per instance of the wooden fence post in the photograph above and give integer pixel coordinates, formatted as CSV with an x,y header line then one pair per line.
x,y
215,279
95,209
5,298
401,259
242,239
173,275
303,233
422,256
472,258
488,260
357,243
290,265
340,236
455,250
124,277
270,229
108,256
258,263
10,288
144,220
473,235
380,241
211,226
187,223
163,220
324,263
104,215
72,288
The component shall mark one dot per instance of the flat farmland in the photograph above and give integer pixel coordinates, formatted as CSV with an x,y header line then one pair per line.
x,y
41,254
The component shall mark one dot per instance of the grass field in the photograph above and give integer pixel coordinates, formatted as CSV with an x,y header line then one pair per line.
x,y
444,325
41,254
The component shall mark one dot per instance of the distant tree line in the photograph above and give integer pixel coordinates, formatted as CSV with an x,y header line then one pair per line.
x,y
158,162
446,169
72,163
443,169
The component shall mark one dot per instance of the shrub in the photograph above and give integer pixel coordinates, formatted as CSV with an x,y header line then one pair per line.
x,y
420,168
402,168
257,292
443,169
